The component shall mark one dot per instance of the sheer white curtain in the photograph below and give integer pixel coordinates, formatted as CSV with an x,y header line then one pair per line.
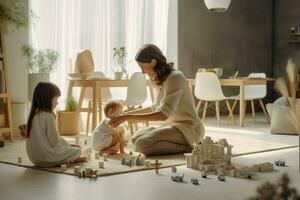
x,y
99,25
146,22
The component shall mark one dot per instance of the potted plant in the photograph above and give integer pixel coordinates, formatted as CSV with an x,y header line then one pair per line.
x,y
68,120
13,14
40,64
120,55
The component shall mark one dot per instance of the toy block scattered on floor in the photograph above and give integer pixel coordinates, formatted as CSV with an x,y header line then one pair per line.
x,y
211,156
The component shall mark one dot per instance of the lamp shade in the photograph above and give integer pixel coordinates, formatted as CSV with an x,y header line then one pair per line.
x,y
217,5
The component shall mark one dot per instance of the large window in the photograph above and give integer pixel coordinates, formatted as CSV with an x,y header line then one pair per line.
x,y
68,26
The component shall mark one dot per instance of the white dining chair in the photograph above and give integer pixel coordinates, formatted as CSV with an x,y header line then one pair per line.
x,y
254,92
137,90
136,95
208,89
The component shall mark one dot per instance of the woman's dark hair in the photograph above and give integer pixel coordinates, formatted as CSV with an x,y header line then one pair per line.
x,y
149,52
43,94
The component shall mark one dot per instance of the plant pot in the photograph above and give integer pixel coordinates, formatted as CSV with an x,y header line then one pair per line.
x,y
2,120
118,75
33,80
68,122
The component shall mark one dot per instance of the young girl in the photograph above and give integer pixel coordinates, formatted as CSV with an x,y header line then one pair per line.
x,y
45,148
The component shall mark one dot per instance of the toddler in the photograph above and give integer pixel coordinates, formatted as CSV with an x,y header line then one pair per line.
x,y
107,139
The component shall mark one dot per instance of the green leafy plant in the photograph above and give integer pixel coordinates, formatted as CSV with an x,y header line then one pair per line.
x,y
71,104
40,61
120,54
14,12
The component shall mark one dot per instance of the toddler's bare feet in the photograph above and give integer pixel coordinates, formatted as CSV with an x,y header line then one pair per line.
x,y
80,159
75,145
111,150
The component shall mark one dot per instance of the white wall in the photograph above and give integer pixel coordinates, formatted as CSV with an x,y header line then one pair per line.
x,y
17,72
172,40
17,75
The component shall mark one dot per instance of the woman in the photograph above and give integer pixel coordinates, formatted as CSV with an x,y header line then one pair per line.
x,y
173,104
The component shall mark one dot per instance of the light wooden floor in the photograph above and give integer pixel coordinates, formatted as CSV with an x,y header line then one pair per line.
x,y
27,184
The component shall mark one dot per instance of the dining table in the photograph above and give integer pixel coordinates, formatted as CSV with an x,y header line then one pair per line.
x,y
96,84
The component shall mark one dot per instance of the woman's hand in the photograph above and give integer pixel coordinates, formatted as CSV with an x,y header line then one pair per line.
x,y
116,121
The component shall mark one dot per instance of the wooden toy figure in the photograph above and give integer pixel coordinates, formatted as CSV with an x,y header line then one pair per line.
x,y
156,165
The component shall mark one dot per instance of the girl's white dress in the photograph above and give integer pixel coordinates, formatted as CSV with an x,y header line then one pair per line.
x,y
45,148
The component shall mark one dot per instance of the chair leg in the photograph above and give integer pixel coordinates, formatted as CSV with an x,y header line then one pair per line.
x,y
135,126
88,117
264,110
204,111
130,127
253,111
198,106
218,112
233,107
230,111
147,123
245,108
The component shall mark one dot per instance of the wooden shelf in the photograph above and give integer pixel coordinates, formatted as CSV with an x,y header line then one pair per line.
x,y
5,130
3,95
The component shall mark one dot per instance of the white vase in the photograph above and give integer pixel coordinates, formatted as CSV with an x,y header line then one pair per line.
x,y
33,80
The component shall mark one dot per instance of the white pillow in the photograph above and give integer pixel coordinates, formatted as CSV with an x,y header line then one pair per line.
x,y
281,122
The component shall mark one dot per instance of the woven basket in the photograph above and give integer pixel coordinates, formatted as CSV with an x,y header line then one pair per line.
x,y
68,122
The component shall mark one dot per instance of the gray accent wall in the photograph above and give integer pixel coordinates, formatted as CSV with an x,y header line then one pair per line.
x,y
287,14
252,36
239,39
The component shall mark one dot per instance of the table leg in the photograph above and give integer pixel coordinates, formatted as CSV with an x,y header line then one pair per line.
x,y
95,98
81,97
70,88
242,104
100,104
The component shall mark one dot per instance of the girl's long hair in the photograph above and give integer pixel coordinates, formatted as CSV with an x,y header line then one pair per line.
x,y
43,94
148,52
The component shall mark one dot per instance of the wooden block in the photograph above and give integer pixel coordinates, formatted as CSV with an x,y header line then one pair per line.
x,y
63,167
105,155
77,170
77,140
96,155
101,164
